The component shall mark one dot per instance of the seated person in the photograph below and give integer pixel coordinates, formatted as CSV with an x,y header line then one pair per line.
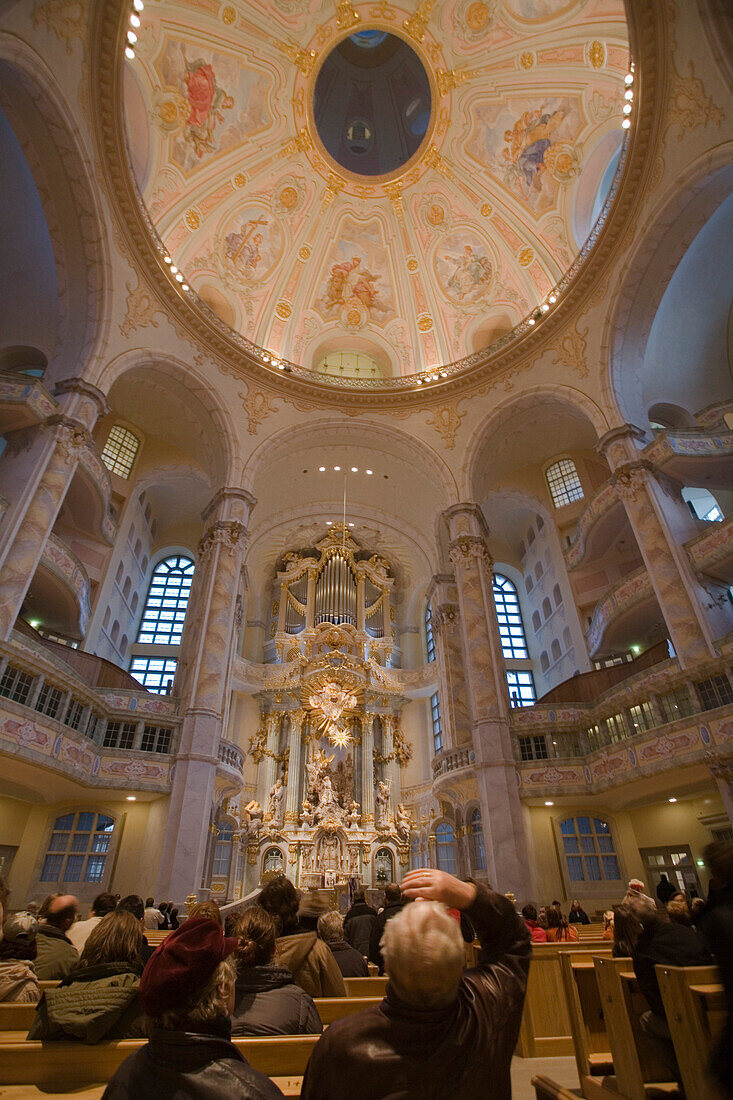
x,y
608,925
18,981
187,991
134,904
99,998
626,931
358,923
308,959
267,1000
539,935
331,931
577,915
440,1031
80,931
153,918
393,903
559,929
56,954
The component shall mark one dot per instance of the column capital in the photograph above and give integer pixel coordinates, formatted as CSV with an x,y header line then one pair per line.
x,y
230,535
621,444
229,503
467,548
630,478
466,518
444,614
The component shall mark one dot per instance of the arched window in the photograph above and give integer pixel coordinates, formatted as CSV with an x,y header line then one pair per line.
x,y
120,450
544,660
429,639
536,621
476,834
162,622
223,851
415,860
446,845
557,595
273,862
555,649
511,628
563,482
546,608
589,850
78,848
437,723
384,866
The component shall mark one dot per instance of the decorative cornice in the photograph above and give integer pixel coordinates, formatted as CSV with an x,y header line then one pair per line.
x,y
648,36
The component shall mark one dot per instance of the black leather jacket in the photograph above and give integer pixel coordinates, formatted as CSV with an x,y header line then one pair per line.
x,y
191,1065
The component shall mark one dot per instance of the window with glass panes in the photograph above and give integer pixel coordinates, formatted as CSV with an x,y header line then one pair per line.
x,y
509,617
78,848
15,684
429,639
119,735
156,739
521,688
589,850
445,842
563,482
676,704
165,608
223,851
437,723
74,713
49,700
642,717
715,692
533,748
118,453
154,673
615,727
476,833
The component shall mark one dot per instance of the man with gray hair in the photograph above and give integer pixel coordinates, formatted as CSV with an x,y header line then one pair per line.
x,y
331,931
441,1031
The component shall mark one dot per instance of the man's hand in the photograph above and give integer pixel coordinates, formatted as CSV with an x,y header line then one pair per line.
x,y
438,886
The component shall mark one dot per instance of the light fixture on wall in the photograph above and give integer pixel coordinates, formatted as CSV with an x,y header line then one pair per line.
x,y
671,799
131,798
549,803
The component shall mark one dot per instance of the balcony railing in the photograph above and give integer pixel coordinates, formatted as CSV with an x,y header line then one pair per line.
x,y
232,756
451,760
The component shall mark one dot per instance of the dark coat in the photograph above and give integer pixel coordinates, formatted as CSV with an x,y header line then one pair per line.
x,y
310,962
358,924
56,955
98,1002
668,943
351,962
267,1002
461,1052
389,911
578,916
189,1065
665,891
716,926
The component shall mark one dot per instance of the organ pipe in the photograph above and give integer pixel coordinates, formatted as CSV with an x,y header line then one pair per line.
x,y
336,593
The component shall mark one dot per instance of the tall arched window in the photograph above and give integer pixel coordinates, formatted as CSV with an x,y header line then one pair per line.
x,y
223,851
509,615
446,846
589,850
437,722
429,639
120,450
162,622
78,848
563,482
476,835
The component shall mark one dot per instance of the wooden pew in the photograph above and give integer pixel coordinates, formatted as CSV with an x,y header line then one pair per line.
x,y
545,1028
155,938
373,970
694,1003
589,931
545,1089
366,987
591,1044
16,1019
58,1067
638,1070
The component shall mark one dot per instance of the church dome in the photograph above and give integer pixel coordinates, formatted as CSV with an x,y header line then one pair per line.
x,y
365,194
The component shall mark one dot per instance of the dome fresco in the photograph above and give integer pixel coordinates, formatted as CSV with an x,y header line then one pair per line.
x,y
502,116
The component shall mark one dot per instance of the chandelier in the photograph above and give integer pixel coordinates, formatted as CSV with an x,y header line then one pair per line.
x,y
331,700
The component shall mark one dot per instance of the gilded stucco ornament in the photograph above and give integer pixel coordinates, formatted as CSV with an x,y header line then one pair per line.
x,y
571,351
446,422
469,548
228,535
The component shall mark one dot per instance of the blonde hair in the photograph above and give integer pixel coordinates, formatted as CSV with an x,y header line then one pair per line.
x,y
211,1001
330,927
423,954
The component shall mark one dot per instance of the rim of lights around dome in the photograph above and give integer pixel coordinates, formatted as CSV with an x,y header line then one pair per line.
x,y
432,163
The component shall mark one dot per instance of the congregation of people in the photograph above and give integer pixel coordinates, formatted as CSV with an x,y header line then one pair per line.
x,y
442,1030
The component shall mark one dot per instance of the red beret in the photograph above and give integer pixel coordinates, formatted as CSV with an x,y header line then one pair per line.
x,y
183,962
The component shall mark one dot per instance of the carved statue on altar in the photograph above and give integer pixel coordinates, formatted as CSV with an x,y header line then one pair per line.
x,y
404,823
328,811
276,803
381,801
315,768
308,813
329,853
354,814
253,818
343,780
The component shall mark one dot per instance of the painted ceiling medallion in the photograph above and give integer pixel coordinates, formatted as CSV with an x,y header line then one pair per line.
x,y
254,155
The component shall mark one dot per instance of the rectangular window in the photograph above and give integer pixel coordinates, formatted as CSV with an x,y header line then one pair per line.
x,y
642,717
52,868
533,748
16,684
119,735
429,637
437,724
95,869
563,482
521,688
715,692
74,713
588,849
154,673
118,453
676,704
49,700
616,727
156,739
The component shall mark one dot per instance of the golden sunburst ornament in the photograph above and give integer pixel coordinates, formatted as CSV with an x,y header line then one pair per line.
x,y
330,700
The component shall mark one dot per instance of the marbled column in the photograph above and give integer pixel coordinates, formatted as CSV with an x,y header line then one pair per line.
x,y
488,696
722,772
367,769
650,510
297,717
202,684
445,619
268,767
23,554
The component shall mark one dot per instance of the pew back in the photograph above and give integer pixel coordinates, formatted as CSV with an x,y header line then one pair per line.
x,y
587,1026
366,987
694,1004
545,1028
546,1089
637,1066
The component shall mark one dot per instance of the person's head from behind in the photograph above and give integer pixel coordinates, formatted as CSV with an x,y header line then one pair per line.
x,y
359,896
104,904
529,912
255,931
149,903
330,927
696,907
132,903
280,898
118,938
555,918
608,919
626,928
644,908
190,978
678,911
423,954
18,940
61,911
718,857
392,894
208,909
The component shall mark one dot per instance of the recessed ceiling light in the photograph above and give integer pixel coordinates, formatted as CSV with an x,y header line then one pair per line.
x,y
138,5
369,471
628,94
626,123
355,469
531,320
549,803
626,108
552,298
629,78
179,277
129,52
351,525
337,468
174,269
131,37
322,469
329,523
131,798
185,286
135,20
419,382
671,799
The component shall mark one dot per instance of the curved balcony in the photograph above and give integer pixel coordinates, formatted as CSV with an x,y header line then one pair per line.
x,y
231,760
686,453
712,551
59,594
624,614
598,526
89,497
24,401
452,764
